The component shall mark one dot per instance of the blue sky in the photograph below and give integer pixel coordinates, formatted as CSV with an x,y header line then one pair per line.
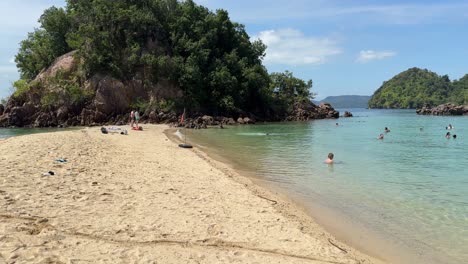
x,y
345,47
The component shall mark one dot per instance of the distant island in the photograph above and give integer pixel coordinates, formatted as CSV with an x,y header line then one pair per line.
x,y
415,88
92,62
348,101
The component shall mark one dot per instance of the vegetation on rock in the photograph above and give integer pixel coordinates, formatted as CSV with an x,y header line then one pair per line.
x,y
416,87
156,44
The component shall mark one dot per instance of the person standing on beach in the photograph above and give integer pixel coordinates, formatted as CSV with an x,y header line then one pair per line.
x,y
132,118
137,118
329,160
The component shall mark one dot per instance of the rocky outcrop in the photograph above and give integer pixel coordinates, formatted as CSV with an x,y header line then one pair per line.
x,y
307,110
65,64
444,109
110,100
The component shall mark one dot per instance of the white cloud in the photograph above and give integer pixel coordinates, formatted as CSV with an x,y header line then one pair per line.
x,y
292,47
369,55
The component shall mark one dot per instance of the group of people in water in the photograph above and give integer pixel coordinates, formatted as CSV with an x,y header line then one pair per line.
x,y
448,135
381,136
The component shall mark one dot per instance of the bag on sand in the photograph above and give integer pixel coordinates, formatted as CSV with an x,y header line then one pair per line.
x,y
104,130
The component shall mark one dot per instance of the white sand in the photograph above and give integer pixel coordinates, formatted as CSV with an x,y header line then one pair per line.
x,y
141,199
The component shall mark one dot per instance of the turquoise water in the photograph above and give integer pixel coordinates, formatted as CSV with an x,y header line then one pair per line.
x,y
12,132
410,188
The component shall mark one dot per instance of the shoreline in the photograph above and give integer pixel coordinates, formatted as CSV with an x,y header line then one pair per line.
x,y
351,232
141,197
292,208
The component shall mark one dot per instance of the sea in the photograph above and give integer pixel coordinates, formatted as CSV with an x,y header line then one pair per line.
x,y
13,132
403,199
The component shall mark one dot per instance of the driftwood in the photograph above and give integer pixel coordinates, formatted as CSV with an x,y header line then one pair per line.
x,y
338,247
273,201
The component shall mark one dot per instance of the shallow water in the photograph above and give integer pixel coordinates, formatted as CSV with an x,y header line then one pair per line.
x,y
13,132
410,188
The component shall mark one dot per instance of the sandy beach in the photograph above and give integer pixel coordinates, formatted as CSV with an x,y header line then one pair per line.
x,y
139,198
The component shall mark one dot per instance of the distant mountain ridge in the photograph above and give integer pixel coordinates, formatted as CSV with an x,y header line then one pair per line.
x,y
347,101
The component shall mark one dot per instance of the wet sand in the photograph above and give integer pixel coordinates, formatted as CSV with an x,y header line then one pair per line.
x,y
139,198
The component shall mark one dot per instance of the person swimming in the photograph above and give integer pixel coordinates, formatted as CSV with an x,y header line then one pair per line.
x,y
381,136
387,130
329,160
454,136
449,126
447,135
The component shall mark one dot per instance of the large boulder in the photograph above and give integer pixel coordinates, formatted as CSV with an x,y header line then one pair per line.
x,y
17,116
64,64
2,109
111,96
248,120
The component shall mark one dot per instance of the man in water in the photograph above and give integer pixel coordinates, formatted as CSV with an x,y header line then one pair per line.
x,y
381,136
329,160
447,135
387,130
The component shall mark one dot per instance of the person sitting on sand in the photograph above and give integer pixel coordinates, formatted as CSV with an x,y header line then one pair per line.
x,y
387,130
381,136
329,160
447,135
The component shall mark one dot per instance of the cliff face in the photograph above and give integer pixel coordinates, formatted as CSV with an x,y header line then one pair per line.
x,y
57,98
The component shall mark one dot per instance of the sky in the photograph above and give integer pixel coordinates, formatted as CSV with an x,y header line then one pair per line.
x,y
346,47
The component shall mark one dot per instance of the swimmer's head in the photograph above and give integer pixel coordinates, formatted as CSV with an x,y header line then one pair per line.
x,y
330,155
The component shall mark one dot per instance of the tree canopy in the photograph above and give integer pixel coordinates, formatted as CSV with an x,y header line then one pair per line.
x,y
416,87
211,58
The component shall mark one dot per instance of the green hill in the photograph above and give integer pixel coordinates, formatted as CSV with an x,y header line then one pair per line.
x,y
416,87
348,101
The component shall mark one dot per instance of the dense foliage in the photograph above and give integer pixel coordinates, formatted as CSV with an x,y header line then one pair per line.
x,y
207,55
416,87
